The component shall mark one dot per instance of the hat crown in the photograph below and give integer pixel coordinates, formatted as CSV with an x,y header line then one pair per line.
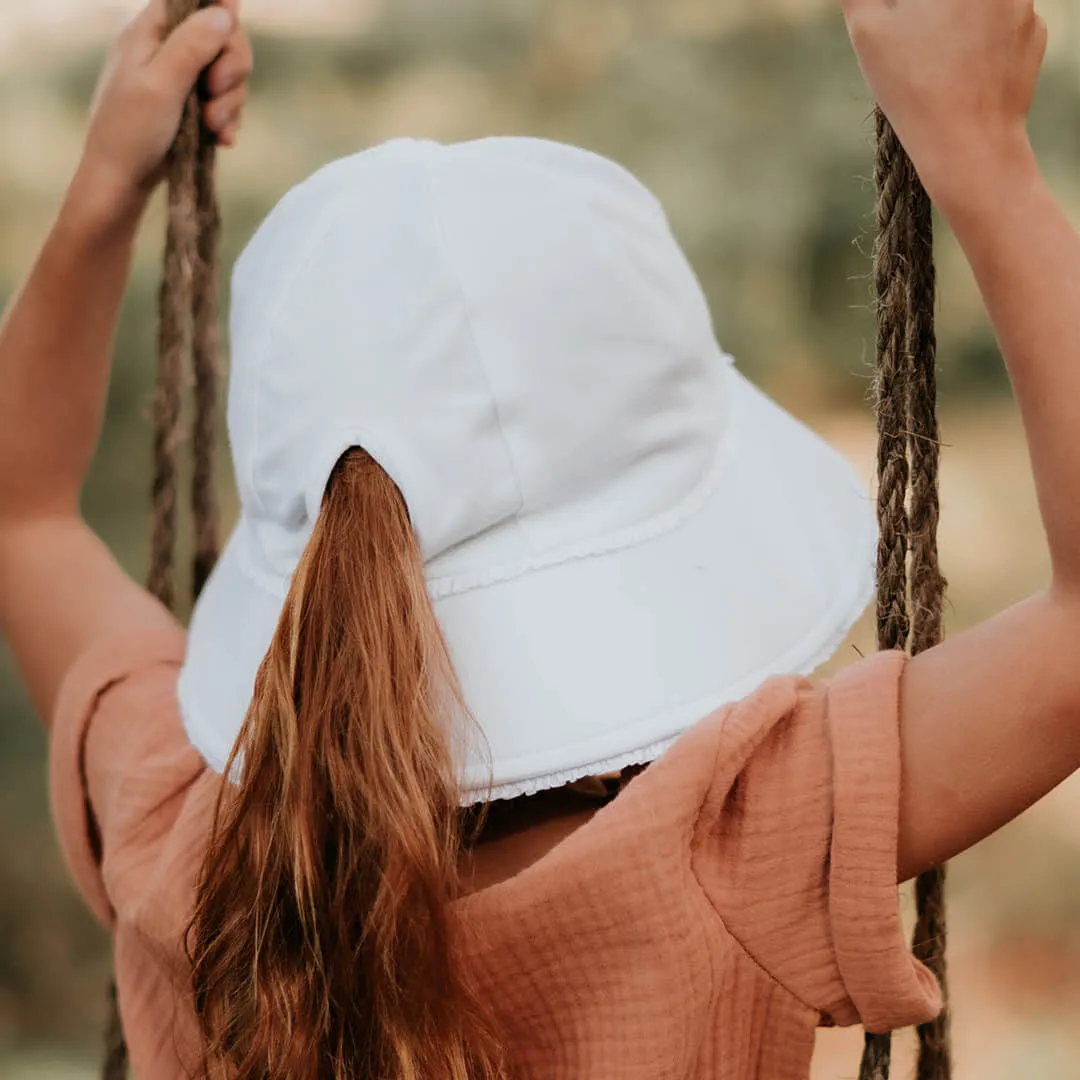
x,y
508,326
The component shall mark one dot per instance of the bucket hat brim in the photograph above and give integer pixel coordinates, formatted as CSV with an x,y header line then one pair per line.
x,y
601,660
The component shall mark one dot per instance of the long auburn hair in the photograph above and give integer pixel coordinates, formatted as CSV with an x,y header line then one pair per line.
x,y
321,944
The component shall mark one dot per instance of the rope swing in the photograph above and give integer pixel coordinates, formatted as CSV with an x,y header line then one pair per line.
x,y
188,346
188,353
911,590
910,585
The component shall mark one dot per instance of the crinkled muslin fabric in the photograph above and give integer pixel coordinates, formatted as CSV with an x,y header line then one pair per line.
x,y
738,894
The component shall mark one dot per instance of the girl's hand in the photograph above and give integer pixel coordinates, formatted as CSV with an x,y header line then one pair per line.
x,y
140,99
955,77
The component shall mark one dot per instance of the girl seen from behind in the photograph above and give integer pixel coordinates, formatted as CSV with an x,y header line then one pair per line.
x,y
511,519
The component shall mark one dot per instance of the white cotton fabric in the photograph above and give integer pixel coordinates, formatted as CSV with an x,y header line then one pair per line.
x,y
620,532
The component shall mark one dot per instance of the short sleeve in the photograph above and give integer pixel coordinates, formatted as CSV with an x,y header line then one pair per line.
x,y
796,847
118,754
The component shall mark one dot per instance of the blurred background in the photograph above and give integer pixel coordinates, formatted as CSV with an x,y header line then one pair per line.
x,y
749,119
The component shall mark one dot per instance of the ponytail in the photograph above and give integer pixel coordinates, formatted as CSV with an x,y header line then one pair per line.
x,y
321,944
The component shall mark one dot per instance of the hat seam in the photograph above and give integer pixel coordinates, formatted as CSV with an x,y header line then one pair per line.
x,y
470,322
448,586
837,621
442,588
300,266
654,527
829,633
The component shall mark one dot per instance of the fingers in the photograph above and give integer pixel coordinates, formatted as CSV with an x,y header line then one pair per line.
x,y
1041,36
151,18
209,49
226,86
232,67
142,35
223,113
229,136
194,45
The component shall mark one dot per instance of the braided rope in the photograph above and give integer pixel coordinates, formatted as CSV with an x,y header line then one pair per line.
x,y
893,175
115,1066
207,367
188,345
908,504
175,341
927,585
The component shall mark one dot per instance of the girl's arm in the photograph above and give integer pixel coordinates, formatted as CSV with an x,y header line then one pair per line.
x,y
60,589
990,721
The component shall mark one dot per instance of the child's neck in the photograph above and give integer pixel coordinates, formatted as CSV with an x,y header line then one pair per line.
x,y
520,832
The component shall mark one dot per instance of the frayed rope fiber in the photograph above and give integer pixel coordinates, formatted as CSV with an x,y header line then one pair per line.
x,y
911,589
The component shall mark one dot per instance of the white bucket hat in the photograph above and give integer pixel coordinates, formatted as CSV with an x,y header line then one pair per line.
x,y
620,532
